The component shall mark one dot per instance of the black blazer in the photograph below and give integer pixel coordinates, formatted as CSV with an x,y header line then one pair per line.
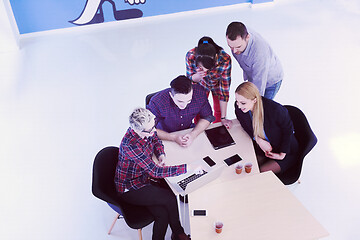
x,y
278,126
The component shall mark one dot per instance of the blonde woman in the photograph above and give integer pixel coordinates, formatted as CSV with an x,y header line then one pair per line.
x,y
269,125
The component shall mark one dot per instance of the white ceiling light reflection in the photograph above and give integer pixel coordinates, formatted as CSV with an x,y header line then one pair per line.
x,y
345,149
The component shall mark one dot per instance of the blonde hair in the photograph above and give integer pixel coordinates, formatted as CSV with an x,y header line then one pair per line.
x,y
250,91
139,117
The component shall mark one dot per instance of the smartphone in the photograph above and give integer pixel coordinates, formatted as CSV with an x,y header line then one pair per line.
x,y
209,161
233,159
199,212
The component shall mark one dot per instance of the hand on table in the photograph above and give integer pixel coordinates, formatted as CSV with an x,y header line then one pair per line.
x,y
227,123
187,139
184,140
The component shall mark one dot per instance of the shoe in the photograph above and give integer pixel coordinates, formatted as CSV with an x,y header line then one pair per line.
x,y
181,236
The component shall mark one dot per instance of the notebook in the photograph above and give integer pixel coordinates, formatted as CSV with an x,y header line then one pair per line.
x,y
189,182
219,137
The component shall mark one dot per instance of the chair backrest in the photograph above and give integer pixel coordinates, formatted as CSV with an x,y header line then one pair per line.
x,y
306,140
303,132
103,187
148,98
104,166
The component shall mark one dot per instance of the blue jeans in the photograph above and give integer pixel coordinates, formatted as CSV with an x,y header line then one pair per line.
x,y
271,91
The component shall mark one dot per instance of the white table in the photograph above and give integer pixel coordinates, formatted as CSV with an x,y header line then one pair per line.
x,y
201,147
258,207
252,206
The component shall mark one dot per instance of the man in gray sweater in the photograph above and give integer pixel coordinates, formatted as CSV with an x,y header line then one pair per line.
x,y
258,61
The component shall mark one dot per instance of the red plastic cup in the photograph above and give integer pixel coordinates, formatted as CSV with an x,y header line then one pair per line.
x,y
238,168
248,167
218,227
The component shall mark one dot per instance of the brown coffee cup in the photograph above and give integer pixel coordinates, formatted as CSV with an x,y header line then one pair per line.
x,y
248,167
238,168
218,227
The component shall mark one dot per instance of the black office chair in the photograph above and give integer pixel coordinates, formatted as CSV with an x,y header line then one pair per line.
x,y
306,140
103,187
148,98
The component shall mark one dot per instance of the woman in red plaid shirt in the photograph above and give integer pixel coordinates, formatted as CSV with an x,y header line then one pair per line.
x,y
136,167
210,66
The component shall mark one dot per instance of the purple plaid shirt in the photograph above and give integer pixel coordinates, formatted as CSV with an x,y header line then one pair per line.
x,y
171,118
218,79
135,165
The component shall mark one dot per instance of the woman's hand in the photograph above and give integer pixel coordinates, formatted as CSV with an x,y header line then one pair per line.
x,y
276,156
227,123
199,75
263,144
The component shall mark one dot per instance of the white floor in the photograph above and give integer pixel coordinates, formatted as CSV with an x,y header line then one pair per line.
x,y
67,94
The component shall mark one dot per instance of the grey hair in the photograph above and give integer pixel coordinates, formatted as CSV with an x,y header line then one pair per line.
x,y
139,117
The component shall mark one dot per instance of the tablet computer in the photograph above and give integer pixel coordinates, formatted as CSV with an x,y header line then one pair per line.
x,y
219,137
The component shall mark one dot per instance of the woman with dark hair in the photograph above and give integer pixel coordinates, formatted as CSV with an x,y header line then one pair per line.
x,y
210,66
269,124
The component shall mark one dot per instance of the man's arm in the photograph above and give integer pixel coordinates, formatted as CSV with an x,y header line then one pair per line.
x,y
201,125
260,59
145,161
260,73
165,135
188,138
174,137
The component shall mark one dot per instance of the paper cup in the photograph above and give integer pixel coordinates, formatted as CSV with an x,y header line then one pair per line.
x,y
238,168
218,227
248,167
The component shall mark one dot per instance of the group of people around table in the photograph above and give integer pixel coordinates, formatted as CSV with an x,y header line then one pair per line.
x,y
185,105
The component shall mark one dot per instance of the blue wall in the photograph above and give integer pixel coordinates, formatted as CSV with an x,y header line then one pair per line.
x,y
41,15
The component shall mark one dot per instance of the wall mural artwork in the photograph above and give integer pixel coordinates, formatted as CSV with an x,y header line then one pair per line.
x,y
42,15
93,12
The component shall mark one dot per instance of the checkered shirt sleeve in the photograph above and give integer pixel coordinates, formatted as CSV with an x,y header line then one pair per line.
x,y
136,166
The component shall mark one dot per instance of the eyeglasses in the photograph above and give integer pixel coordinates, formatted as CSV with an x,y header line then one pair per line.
x,y
149,131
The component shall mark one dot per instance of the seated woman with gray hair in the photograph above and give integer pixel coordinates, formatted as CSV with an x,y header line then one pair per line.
x,y
136,167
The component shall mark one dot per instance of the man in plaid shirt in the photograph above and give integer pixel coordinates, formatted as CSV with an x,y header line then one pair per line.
x,y
176,107
135,168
